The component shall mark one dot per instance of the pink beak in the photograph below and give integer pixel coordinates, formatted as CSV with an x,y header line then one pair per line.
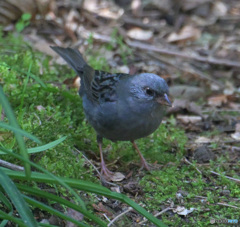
x,y
164,100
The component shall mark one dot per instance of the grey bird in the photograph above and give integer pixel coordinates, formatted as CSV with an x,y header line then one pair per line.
x,y
120,107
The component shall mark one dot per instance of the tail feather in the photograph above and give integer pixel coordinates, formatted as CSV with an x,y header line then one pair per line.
x,y
72,56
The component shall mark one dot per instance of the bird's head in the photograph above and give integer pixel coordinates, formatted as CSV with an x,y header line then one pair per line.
x,y
151,88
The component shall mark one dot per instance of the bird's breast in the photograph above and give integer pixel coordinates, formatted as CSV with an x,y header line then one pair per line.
x,y
121,122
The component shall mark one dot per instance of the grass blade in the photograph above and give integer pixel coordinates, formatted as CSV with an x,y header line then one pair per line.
x,y
6,202
46,146
50,175
13,122
89,187
40,148
9,217
17,199
20,132
52,197
52,211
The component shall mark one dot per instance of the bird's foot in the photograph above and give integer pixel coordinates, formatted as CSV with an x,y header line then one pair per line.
x,y
105,171
144,165
143,161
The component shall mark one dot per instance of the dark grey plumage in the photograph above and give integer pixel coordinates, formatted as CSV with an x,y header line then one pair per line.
x,y
119,106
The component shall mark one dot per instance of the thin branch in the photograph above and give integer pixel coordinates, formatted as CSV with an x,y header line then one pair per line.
x,y
11,166
143,46
220,110
99,174
156,215
120,215
210,60
188,162
231,178
227,205
187,69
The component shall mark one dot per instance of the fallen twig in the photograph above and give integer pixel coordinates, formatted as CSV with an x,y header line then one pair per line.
x,y
120,215
209,60
231,178
156,215
10,165
188,162
227,205
187,69
143,46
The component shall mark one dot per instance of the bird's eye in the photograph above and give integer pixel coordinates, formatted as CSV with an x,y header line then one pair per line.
x,y
149,91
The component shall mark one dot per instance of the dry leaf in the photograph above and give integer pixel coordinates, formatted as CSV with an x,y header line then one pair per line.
x,y
117,177
187,33
101,208
40,108
115,189
123,69
183,211
11,10
236,136
73,82
202,139
103,8
217,101
219,9
140,34
189,119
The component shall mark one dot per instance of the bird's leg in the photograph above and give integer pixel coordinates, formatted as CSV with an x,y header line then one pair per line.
x,y
143,161
104,170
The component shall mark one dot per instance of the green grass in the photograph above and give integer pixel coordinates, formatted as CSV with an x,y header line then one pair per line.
x,y
161,187
48,110
44,107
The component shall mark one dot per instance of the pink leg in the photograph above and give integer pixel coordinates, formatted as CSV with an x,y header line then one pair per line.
x,y
143,161
104,170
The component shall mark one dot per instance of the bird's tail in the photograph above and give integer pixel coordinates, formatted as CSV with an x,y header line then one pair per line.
x,y
73,57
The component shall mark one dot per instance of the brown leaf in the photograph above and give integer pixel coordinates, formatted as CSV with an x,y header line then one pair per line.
x,y
102,209
117,176
187,33
11,10
140,34
103,8
73,82
217,101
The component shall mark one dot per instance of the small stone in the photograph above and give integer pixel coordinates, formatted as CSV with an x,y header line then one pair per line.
x,y
203,155
225,192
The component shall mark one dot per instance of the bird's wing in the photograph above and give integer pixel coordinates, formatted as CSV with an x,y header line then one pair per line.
x,y
99,86
103,86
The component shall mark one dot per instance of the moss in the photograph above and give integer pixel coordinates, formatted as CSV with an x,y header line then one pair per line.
x,y
47,109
